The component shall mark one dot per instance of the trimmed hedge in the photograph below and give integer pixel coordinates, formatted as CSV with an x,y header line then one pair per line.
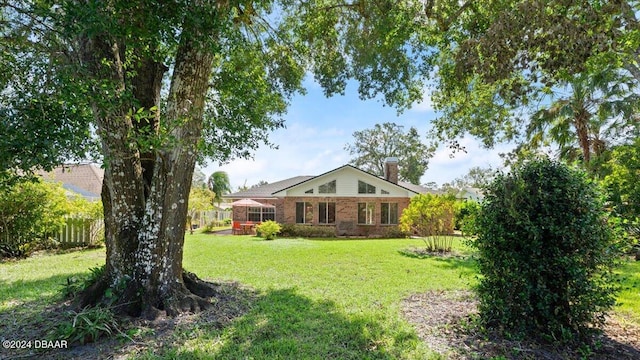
x,y
307,231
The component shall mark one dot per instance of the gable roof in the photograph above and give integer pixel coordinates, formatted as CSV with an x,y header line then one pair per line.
x,y
367,174
269,190
85,179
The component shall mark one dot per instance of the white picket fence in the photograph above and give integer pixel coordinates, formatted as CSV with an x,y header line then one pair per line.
x,y
202,218
80,231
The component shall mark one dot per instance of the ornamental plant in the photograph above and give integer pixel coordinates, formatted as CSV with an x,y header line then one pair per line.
x,y
431,217
546,253
268,229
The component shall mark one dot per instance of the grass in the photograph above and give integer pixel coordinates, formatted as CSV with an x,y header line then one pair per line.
x,y
38,279
628,302
311,299
320,299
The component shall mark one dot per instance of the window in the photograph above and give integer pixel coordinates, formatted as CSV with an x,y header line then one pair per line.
x,y
384,192
364,188
327,213
389,213
365,213
304,213
310,191
268,214
260,214
255,213
328,188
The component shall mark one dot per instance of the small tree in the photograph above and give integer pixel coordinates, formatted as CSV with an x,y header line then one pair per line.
x,y
432,217
200,199
546,253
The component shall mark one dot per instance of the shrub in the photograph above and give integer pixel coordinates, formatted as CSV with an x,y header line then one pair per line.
x,y
87,325
306,231
466,215
29,210
268,229
76,284
546,253
394,232
432,217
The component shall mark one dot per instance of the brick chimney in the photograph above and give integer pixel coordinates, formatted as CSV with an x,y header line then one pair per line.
x,y
391,169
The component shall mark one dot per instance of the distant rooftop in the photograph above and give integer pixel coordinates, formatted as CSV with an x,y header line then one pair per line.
x,y
85,179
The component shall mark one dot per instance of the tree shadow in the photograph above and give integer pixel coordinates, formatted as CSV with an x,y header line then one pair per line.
x,y
243,324
448,321
285,324
464,263
30,310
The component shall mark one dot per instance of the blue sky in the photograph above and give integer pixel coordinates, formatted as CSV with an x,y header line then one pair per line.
x,y
318,128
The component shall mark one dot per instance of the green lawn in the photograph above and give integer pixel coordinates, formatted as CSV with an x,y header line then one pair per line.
x,y
314,299
321,299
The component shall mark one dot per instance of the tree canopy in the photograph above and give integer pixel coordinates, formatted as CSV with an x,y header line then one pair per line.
x,y
500,64
371,147
219,183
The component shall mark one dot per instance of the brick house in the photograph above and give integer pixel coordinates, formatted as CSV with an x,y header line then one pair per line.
x,y
352,201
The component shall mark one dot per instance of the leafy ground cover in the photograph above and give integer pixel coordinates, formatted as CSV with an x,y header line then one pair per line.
x,y
285,298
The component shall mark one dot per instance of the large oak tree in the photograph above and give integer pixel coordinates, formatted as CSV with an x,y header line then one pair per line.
x,y
152,87
371,148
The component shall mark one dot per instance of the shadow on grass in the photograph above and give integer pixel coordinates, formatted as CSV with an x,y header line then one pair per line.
x,y
30,311
243,324
451,260
284,324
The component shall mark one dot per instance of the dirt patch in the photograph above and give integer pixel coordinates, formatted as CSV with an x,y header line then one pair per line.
x,y
133,336
445,322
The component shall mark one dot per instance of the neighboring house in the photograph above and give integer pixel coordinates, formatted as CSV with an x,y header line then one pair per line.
x,y
470,193
354,202
84,179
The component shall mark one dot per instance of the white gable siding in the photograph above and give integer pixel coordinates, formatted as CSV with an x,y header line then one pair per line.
x,y
346,185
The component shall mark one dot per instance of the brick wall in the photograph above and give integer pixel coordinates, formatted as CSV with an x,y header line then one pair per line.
x,y
346,213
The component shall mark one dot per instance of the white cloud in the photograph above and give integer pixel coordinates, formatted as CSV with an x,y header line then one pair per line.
x,y
445,165
318,129
425,105
302,150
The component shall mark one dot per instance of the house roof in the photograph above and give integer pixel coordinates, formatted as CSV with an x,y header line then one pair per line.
x,y
85,179
268,190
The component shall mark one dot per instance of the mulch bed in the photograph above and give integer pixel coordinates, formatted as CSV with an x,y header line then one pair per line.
x,y
444,321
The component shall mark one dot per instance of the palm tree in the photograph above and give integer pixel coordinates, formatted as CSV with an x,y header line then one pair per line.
x,y
219,183
582,124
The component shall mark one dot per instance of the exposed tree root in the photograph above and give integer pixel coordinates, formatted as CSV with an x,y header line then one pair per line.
x,y
94,294
195,296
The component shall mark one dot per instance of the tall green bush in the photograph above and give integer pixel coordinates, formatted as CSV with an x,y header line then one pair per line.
x,y
29,210
466,215
546,253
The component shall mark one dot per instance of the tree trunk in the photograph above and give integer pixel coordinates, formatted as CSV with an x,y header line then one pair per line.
x,y
581,123
146,190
